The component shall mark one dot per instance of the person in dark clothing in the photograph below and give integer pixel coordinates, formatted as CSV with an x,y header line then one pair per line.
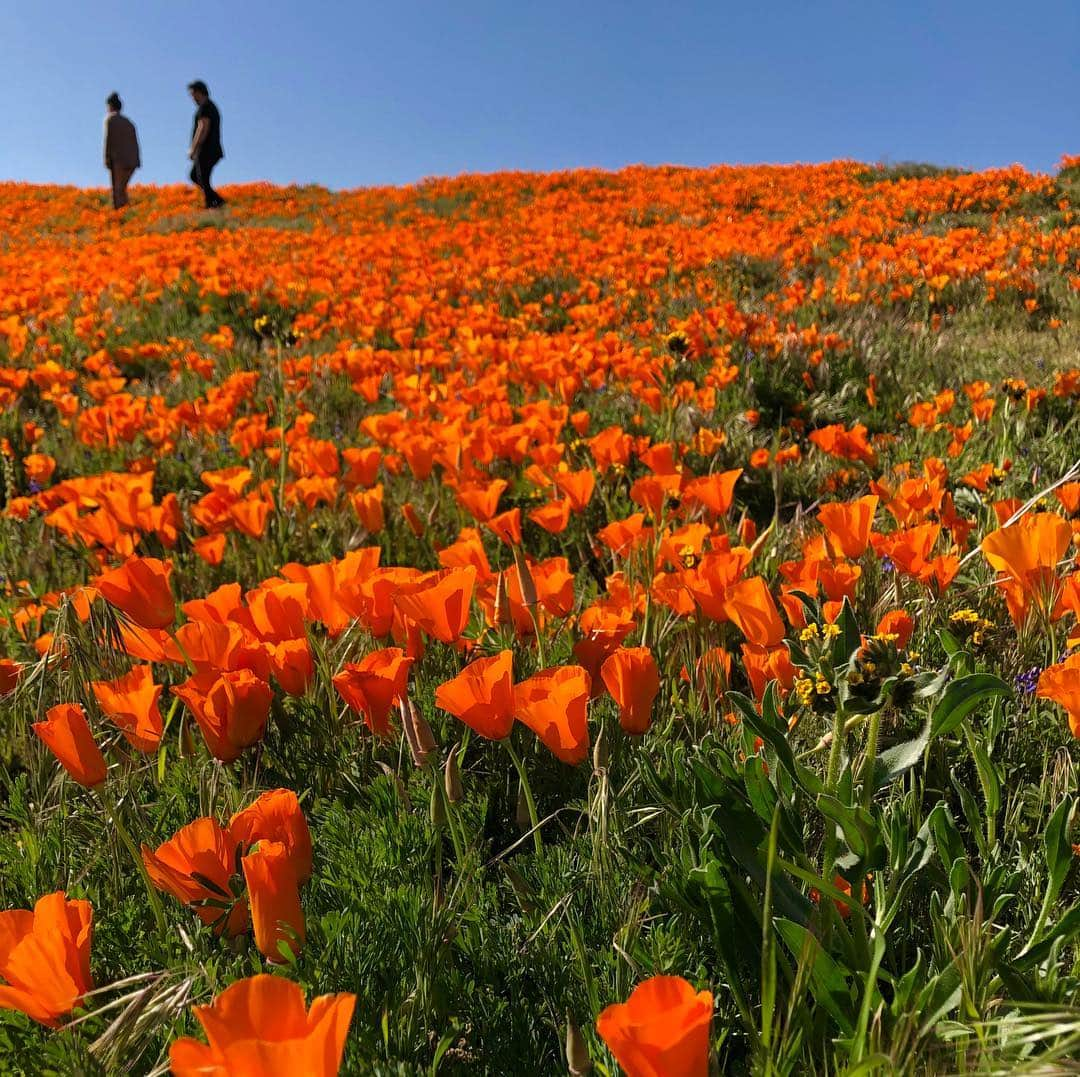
x,y
121,149
205,151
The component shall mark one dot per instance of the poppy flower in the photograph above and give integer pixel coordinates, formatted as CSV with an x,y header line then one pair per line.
x,y
274,898
1061,684
140,589
715,492
1027,554
439,602
554,704
276,816
45,957
131,701
373,685
631,676
261,1026
482,695
197,866
662,1030
847,525
750,605
10,671
231,709
66,733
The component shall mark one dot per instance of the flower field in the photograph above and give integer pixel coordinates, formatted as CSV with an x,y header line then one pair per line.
x,y
533,624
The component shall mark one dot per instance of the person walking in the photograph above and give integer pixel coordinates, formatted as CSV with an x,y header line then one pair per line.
x,y
205,151
121,149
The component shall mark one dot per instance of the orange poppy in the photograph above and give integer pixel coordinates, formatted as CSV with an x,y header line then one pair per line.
x,y
715,492
45,957
197,866
750,605
10,671
554,705
261,1026
276,816
439,602
274,896
482,695
662,1030
140,589
1027,554
373,685
631,676
66,733
1061,684
847,525
131,701
231,709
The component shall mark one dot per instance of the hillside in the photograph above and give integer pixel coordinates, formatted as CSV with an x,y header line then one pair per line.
x,y
480,598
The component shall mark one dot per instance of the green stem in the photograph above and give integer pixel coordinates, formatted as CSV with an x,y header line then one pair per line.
x,y
114,817
534,819
870,758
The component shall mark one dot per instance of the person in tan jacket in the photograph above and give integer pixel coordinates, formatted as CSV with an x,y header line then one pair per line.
x,y
121,149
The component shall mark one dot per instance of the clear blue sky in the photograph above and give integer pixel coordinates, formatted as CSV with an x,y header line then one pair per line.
x,y
353,94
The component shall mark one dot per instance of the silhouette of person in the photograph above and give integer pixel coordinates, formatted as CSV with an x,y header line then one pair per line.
x,y
205,151
121,149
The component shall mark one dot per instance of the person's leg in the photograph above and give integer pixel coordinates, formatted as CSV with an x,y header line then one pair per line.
x,y
213,199
119,187
200,176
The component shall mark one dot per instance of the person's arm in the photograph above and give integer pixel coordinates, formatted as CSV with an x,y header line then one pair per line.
x,y
108,162
201,131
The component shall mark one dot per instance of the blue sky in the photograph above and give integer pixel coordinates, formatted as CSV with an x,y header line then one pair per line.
x,y
356,94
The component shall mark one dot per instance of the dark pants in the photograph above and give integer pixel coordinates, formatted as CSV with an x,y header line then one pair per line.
x,y
121,175
200,176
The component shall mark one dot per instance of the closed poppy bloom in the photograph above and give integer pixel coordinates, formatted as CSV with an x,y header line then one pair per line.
x,y
507,526
662,1030
552,516
10,671
140,589
439,602
274,897
231,709
211,548
45,957
197,866
716,492
847,525
631,676
577,487
553,704
66,733
373,685
276,816
260,1026
292,664
482,695
896,623
750,605
131,701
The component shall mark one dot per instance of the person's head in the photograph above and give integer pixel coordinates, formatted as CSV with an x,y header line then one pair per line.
x,y
113,102
198,91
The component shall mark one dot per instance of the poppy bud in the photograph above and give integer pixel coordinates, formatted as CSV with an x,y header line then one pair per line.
x,y
417,733
502,602
412,518
452,778
526,584
438,808
577,1053
521,813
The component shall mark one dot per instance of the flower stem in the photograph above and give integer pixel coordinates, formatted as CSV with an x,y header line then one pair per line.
x,y
534,819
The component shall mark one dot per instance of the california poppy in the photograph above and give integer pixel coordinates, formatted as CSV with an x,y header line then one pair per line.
x,y
231,709
847,525
197,866
373,685
274,897
261,1026
45,957
1027,553
482,695
1061,684
67,734
631,676
140,589
553,704
662,1030
439,602
276,816
131,701
750,605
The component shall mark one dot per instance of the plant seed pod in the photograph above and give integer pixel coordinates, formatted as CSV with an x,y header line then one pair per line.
x,y
502,602
438,807
600,751
417,733
577,1053
455,793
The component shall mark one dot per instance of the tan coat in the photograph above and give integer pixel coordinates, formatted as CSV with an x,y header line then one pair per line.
x,y
121,142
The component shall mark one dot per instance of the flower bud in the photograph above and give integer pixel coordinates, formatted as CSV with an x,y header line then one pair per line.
x,y
526,583
417,732
438,807
502,602
452,778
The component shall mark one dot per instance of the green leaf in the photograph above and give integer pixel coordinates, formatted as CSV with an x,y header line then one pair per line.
x,y
961,698
775,738
856,823
1059,854
900,758
828,981
849,640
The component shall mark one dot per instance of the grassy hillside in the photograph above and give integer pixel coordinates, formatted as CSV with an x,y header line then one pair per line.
x,y
657,573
